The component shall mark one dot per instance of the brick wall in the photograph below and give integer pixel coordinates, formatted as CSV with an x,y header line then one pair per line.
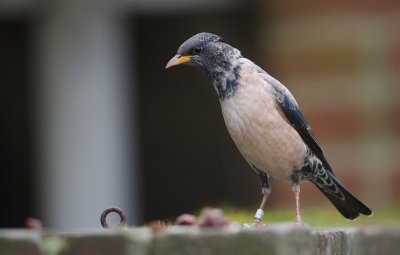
x,y
341,60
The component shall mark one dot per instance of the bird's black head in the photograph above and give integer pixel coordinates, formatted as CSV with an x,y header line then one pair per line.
x,y
217,58
206,50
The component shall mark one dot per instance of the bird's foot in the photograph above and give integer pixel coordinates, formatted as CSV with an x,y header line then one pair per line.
x,y
257,224
298,222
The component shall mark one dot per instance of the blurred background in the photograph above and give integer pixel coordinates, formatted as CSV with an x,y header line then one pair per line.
x,y
91,119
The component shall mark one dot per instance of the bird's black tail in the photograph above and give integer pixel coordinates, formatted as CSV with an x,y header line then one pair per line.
x,y
349,206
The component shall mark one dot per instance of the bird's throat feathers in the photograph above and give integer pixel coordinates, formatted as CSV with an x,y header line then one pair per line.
x,y
225,75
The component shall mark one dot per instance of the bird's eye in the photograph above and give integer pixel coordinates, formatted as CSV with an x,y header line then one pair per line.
x,y
196,50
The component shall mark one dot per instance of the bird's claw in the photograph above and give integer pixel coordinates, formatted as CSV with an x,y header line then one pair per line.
x,y
298,222
257,224
257,221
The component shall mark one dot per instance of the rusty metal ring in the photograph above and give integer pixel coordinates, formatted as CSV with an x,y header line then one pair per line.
x,y
119,211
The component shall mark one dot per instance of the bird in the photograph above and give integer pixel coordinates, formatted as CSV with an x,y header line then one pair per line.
x,y
266,124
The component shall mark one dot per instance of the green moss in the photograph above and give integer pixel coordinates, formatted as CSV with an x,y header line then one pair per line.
x,y
316,217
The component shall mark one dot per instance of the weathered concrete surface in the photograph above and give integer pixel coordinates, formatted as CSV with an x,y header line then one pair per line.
x,y
275,239
179,240
19,242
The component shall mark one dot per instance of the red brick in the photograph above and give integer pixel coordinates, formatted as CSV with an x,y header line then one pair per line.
x,y
281,194
309,8
394,117
353,182
395,183
330,124
394,55
310,61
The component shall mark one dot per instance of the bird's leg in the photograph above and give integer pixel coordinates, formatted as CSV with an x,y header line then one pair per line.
x,y
266,190
296,190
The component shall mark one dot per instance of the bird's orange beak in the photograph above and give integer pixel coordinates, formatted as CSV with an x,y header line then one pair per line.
x,y
177,60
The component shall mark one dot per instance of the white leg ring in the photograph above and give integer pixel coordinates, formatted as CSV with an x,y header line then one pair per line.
x,y
259,214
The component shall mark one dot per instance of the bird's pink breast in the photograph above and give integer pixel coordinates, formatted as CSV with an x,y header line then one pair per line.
x,y
258,129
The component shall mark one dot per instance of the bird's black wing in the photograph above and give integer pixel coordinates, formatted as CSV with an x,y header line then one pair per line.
x,y
289,109
294,117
